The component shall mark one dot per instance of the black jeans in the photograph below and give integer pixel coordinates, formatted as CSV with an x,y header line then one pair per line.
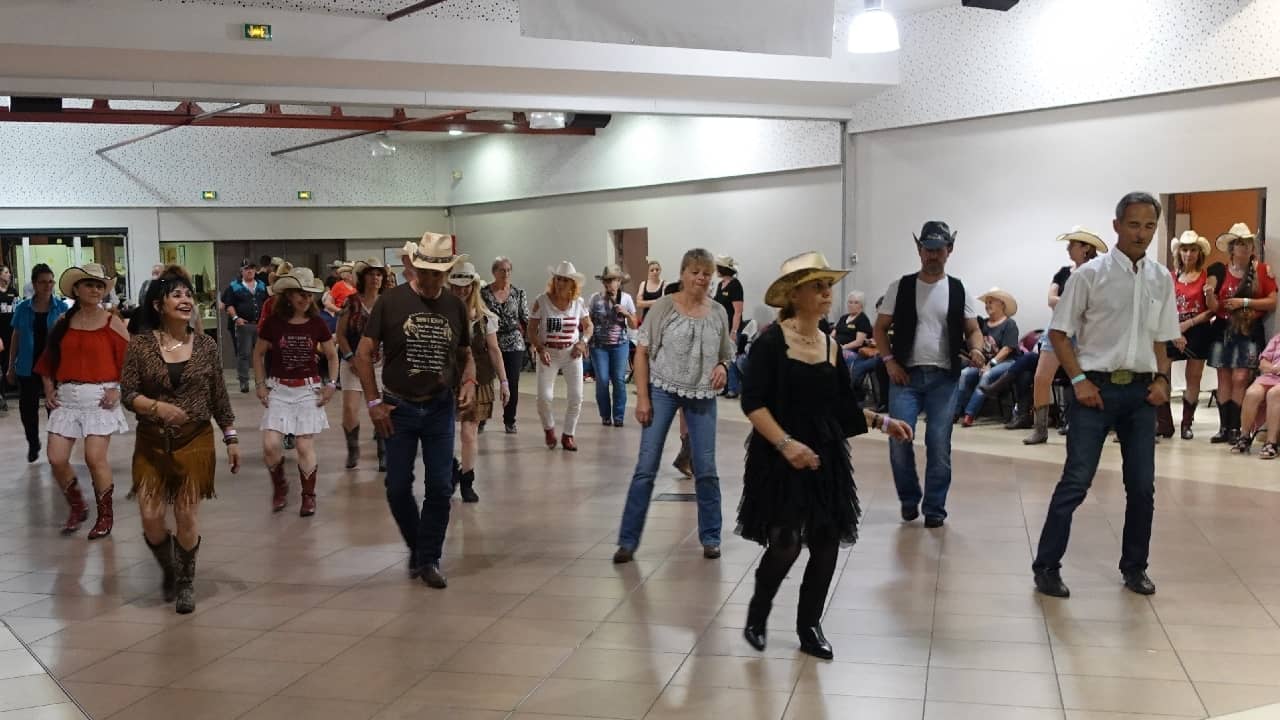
x,y
30,389
429,425
781,554
513,361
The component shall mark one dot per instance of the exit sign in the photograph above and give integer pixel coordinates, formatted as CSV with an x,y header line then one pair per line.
x,y
304,194
257,32
208,194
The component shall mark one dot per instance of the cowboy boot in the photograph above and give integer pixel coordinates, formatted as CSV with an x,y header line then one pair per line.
x,y
1224,423
1040,434
382,452
79,511
353,447
163,552
684,461
186,575
1188,416
279,487
106,515
1235,429
1021,419
457,477
308,507
1164,420
468,481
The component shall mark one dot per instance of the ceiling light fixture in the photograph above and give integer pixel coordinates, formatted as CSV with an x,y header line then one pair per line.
x,y
381,147
455,132
547,120
873,30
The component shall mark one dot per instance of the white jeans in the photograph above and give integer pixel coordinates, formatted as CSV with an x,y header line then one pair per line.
x,y
572,367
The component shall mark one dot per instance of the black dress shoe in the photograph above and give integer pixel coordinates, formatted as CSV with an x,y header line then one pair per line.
x,y
33,452
1049,582
432,576
1137,581
755,635
711,552
934,521
414,570
813,642
909,513
623,556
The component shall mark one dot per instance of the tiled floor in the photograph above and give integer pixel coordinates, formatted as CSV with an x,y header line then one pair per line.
x,y
314,617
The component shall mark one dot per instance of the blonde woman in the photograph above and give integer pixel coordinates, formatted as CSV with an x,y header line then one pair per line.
x,y
558,327
1196,305
465,284
370,278
650,290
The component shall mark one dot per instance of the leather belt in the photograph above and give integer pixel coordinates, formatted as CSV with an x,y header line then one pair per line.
x,y
296,382
1121,377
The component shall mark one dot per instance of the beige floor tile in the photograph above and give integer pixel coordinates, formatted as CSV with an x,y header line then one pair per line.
x,y
1232,668
472,690
435,627
982,655
685,702
498,659
29,691
990,628
299,596
1025,605
313,709
480,604
11,601
101,700
339,622
280,646
634,666
395,652
1158,697
878,622
60,711
597,698
1200,612
739,672
357,681
62,662
729,641
247,617
94,635
206,642
1119,662
193,704
1224,698
994,688
1118,606
33,630
862,679
407,708
18,663
967,711
1103,715
805,706
643,636
250,677
1203,638
1103,633
130,668
586,587
564,608
547,633
69,607
992,583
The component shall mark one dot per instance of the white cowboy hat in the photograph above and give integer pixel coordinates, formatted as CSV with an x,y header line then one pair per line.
x,y
282,268
88,271
613,272
567,270
464,274
1084,235
337,264
367,264
727,261
995,293
799,270
343,266
1239,231
433,252
1191,237
298,278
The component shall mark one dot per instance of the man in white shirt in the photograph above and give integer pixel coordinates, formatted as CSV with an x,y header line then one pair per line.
x,y
1120,306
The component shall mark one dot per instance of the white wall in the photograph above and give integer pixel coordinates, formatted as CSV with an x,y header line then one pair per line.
x,y
760,220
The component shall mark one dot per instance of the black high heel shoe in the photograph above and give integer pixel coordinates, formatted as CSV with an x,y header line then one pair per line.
x,y
813,642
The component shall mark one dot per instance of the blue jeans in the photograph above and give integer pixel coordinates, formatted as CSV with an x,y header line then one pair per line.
x,y
610,364
700,415
860,366
931,391
1124,408
431,424
970,393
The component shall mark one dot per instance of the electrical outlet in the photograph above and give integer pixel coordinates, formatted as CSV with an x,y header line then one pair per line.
x,y
853,258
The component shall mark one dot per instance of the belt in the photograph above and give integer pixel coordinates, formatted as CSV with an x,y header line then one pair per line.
x,y
296,382
1121,377
558,345
393,399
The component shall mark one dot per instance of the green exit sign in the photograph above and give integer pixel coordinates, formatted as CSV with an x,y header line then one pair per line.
x,y
208,194
257,32
304,194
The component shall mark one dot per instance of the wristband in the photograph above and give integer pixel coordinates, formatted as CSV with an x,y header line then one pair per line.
x,y
347,356
784,442
472,381
229,432
1078,379
886,358
504,383
232,440
1246,302
374,403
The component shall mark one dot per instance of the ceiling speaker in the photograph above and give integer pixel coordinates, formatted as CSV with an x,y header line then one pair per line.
x,y
594,121
1001,5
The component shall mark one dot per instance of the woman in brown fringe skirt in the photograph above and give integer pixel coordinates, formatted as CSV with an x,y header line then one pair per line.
x,y
465,283
173,380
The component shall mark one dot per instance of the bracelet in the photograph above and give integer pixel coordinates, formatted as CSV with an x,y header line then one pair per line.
x,y
1246,302
346,357
232,440
784,442
886,358
229,432
469,380
1078,379
1162,376
374,403
504,383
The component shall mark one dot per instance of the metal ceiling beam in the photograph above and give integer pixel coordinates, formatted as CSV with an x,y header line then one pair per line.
x,y
416,7
191,119
393,126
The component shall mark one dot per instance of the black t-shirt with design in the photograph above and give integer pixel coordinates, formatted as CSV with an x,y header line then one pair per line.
x,y
848,327
423,341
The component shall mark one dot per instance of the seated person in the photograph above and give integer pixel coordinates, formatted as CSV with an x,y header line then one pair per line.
x,y
1264,390
1000,335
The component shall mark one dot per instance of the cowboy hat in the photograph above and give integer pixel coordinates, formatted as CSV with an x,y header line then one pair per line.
x,y
463,274
613,272
567,270
337,264
1084,235
995,293
298,278
1239,231
1188,238
367,264
282,268
935,235
433,252
72,275
727,261
345,266
277,262
799,270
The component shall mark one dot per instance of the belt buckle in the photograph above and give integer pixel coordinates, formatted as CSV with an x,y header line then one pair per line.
x,y
1121,377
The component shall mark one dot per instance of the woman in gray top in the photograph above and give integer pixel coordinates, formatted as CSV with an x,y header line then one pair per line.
x,y
508,302
681,363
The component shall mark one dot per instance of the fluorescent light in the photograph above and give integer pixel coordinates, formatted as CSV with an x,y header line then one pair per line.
x,y
547,120
873,30
455,132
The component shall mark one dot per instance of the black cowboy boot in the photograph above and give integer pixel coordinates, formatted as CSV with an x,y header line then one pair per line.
x,y
467,481
1188,417
353,447
1224,424
163,551
186,575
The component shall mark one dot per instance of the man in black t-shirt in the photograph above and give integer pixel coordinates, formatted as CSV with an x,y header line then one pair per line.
x,y
428,374
243,300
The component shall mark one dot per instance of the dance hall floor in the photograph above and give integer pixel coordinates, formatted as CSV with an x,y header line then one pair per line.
x,y
315,618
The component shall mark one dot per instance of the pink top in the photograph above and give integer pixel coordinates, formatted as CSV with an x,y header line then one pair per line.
x,y
1271,353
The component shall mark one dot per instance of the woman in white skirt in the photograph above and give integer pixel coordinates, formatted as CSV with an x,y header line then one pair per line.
x,y
292,390
558,325
80,368
370,279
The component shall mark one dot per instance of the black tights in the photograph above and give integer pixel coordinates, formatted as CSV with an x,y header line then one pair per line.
x,y
30,388
779,556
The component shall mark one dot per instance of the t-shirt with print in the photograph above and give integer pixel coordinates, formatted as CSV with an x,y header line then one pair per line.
x,y
608,326
931,345
293,346
558,328
1004,335
848,327
423,341
1230,285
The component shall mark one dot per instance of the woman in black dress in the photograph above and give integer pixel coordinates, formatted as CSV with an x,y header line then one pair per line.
x,y
798,486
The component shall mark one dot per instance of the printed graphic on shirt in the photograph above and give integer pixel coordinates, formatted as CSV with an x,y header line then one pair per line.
x,y
561,329
297,352
428,340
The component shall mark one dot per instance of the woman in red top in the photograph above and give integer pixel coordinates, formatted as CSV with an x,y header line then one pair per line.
x,y
1196,304
1246,290
81,367
293,392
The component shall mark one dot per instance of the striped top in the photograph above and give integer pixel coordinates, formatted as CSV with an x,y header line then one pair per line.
x,y
557,326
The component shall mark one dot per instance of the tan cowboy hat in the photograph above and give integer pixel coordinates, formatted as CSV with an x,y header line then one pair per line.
x,y
337,264
727,261
464,274
1239,231
1191,237
277,262
368,264
433,252
995,293
613,272
799,270
1084,235
88,271
345,266
298,278
566,269
282,268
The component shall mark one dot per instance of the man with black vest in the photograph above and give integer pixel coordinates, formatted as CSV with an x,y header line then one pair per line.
x,y
935,334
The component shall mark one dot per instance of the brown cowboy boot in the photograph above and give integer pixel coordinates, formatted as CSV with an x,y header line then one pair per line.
x,y
79,511
279,487
1164,420
106,515
163,551
1040,434
308,507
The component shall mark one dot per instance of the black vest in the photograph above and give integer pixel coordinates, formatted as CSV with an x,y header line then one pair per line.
x,y
905,322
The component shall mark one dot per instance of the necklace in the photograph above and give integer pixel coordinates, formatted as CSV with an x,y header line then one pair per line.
x,y
177,344
810,340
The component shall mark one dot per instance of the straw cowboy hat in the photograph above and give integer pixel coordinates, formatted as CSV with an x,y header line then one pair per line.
x,y
282,268
464,274
567,270
298,278
345,266
613,272
337,264
88,271
995,293
1239,231
1084,235
433,252
799,270
727,261
367,264
1191,237
277,262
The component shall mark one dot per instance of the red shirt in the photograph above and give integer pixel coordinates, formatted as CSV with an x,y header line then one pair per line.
x,y
293,346
88,356
1190,296
267,306
1265,286
340,291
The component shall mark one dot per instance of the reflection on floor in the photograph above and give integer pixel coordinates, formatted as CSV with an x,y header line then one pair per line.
x,y
314,617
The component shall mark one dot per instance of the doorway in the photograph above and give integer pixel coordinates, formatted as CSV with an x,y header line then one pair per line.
x,y
1211,213
631,251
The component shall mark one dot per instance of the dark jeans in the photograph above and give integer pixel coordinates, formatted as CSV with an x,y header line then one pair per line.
x,y
513,361
246,336
931,390
431,424
1124,408
610,363
30,388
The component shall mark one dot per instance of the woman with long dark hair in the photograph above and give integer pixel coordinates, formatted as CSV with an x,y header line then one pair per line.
x,y
80,369
370,278
1196,306
173,381
32,320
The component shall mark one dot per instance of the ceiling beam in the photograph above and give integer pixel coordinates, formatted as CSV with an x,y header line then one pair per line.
x,y
416,7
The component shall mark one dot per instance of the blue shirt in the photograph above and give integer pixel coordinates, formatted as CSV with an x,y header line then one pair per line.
x,y
24,319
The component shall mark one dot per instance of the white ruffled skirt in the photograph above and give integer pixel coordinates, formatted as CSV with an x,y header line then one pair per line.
x,y
293,410
80,415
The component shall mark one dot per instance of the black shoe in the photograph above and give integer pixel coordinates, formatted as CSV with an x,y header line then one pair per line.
x,y
909,513
617,423
432,576
606,422
813,642
933,521
511,429
755,635
1138,582
33,452
480,428
244,387
1049,582
623,556
414,570
731,396
711,552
